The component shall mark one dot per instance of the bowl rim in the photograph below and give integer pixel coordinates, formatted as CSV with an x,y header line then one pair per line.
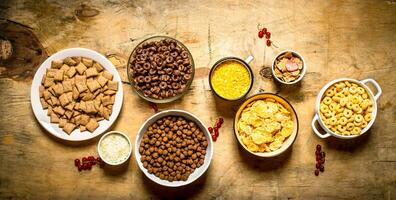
x,y
321,94
222,60
272,153
119,133
165,100
167,113
303,71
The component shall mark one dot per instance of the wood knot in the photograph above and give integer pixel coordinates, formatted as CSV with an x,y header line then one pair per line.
x,y
266,72
85,11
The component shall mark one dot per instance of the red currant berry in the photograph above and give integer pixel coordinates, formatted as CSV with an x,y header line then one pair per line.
x,y
77,162
316,172
91,158
221,120
318,147
318,165
260,34
214,137
84,159
80,168
269,43
210,129
218,124
268,35
318,158
264,30
321,168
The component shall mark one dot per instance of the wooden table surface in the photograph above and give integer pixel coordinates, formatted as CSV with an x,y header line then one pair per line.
x,y
337,38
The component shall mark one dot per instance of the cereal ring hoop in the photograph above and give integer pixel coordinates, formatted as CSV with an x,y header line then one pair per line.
x,y
373,97
198,171
286,143
41,114
131,75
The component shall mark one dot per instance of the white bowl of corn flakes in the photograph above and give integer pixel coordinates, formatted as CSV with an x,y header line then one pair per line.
x,y
346,108
266,125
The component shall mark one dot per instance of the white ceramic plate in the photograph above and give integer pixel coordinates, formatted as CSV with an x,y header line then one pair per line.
x,y
199,171
41,114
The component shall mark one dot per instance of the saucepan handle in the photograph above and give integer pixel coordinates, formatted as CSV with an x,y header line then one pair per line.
x,y
376,85
319,134
249,59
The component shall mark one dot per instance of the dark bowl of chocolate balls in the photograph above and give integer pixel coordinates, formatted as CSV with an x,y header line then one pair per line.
x,y
160,69
173,148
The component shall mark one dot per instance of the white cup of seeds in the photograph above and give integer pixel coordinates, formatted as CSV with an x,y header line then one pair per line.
x,y
288,67
114,148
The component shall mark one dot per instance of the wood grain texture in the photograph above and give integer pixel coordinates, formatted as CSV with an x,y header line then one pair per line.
x,y
353,38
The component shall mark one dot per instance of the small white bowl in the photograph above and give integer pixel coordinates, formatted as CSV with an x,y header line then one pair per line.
x,y
129,152
303,70
373,99
198,171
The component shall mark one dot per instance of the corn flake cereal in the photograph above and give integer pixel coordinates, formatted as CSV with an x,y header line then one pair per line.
x,y
264,125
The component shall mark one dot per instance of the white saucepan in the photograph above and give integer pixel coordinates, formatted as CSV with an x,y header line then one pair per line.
x,y
373,97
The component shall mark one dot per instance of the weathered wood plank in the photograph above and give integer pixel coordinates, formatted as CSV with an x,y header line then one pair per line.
x,y
337,38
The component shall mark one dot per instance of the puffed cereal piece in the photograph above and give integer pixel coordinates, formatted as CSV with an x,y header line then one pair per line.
x,y
356,131
92,125
93,85
69,127
90,72
98,67
368,117
107,75
81,68
327,100
87,62
343,121
71,72
350,126
329,93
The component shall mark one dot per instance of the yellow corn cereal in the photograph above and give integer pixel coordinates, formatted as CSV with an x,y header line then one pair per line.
x,y
231,79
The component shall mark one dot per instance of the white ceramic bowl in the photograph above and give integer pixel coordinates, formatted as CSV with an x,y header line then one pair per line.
x,y
303,70
373,98
199,171
287,143
41,114
104,159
